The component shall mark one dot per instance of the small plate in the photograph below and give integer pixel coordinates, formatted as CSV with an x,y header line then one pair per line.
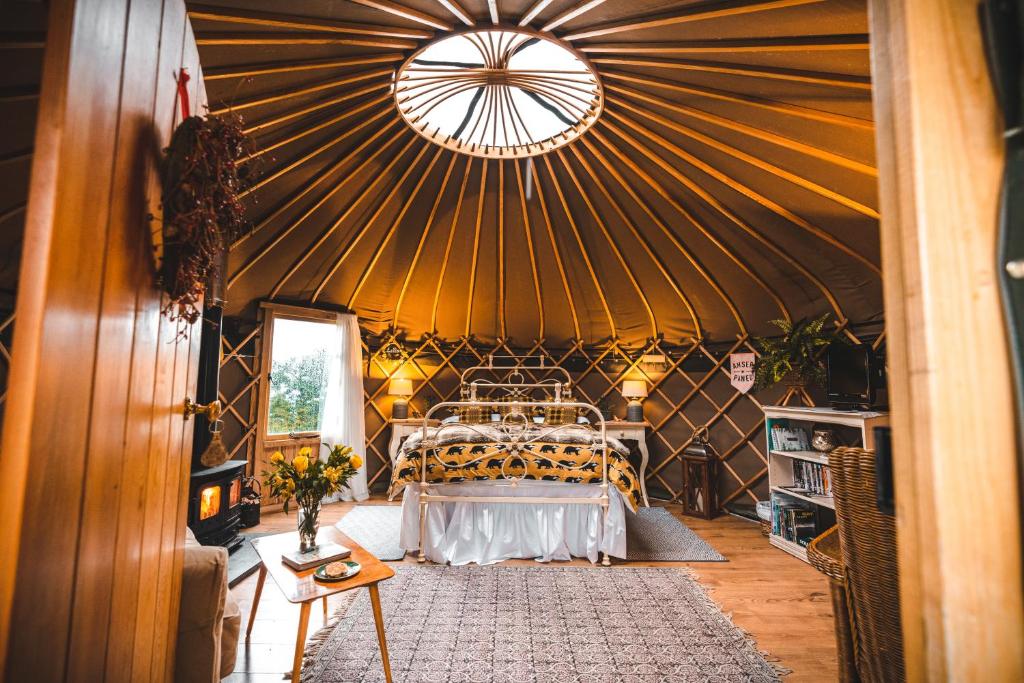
x,y
353,569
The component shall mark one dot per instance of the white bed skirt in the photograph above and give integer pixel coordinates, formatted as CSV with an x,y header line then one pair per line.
x,y
485,533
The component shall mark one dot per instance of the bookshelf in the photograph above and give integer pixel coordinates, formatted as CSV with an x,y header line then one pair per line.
x,y
804,511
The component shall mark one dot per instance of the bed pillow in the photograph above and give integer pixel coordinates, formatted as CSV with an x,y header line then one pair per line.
x,y
560,415
473,415
508,410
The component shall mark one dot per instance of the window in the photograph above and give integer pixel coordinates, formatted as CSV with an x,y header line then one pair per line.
x,y
299,350
498,93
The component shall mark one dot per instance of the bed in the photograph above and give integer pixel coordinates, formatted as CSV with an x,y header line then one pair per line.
x,y
524,471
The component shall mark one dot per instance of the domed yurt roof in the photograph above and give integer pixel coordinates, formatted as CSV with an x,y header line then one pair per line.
x,y
553,169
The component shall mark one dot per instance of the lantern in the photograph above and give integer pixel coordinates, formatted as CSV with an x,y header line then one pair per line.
x,y
700,476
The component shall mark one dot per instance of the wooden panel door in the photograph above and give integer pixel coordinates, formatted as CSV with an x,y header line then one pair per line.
x,y
95,451
940,154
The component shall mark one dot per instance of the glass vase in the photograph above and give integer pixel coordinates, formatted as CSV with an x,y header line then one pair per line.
x,y
308,521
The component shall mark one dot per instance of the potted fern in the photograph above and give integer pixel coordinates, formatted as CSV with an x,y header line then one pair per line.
x,y
795,356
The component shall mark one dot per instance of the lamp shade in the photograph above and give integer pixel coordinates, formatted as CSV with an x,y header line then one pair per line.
x,y
634,388
400,386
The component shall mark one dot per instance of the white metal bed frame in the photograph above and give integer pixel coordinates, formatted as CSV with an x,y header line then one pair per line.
x,y
515,426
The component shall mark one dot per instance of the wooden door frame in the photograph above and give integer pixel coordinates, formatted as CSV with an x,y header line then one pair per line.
x,y
92,132
940,157
30,309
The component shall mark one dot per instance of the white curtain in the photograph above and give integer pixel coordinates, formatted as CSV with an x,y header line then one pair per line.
x,y
343,419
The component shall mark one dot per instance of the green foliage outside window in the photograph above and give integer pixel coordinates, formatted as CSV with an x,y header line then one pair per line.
x,y
297,387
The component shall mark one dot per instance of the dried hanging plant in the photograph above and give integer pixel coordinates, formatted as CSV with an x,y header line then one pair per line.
x,y
203,174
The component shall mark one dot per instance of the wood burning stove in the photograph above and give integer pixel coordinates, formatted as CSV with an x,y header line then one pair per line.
x,y
214,493
214,504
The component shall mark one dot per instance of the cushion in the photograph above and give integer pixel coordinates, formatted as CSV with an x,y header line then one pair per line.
x,y
230,628
473,414
508,410
560,415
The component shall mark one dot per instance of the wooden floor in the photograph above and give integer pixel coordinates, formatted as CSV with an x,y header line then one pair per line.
x,y
780,601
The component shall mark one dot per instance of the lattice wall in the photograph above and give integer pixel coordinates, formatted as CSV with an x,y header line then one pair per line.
x,y
691,388
6,337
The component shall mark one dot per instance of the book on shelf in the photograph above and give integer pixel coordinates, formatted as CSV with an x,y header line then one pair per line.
x,y
794,521
789,439
811,477
322,554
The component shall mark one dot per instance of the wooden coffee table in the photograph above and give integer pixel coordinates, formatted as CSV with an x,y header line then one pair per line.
x,y
304,589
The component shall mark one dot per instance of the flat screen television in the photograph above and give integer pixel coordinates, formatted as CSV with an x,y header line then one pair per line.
x,y
855,377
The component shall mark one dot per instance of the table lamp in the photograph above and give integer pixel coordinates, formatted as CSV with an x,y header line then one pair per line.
x,y
401,389
634,390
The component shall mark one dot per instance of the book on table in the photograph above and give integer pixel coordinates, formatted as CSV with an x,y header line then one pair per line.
x,y
322,554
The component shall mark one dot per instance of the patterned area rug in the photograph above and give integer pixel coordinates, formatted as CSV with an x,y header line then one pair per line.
x,y
656,535
518,624
375,527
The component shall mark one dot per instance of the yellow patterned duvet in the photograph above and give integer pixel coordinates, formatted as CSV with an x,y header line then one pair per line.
x,y
543,461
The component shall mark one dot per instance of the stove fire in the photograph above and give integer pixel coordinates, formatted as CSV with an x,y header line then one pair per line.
x,y
209,502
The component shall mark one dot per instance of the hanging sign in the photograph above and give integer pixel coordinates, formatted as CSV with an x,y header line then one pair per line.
x,y
742,371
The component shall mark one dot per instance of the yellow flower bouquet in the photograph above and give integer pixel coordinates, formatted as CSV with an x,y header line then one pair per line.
x,y
309,478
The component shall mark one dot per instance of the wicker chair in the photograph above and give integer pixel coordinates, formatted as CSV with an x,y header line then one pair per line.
x,y
867,538
825,554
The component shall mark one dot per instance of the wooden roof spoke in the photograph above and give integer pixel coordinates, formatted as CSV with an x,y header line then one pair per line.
x,y
701,12
559,261
671,235
612,243
326,124
456,9
250,70
296,163
742,188
761,134
638,236
528,234
285,39
827,43
502,322
448,245
584,253
774,106
368,224
427,226
534,10
289,229
571,14
386,239
288,21
400,10
728,214
833,80
264,100
475,256
323,104
314,183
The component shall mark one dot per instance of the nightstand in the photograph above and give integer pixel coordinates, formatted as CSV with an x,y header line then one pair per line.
x,y
401,429
633,431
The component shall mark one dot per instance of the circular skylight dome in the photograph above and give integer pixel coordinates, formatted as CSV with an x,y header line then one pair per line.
x,y
498,93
